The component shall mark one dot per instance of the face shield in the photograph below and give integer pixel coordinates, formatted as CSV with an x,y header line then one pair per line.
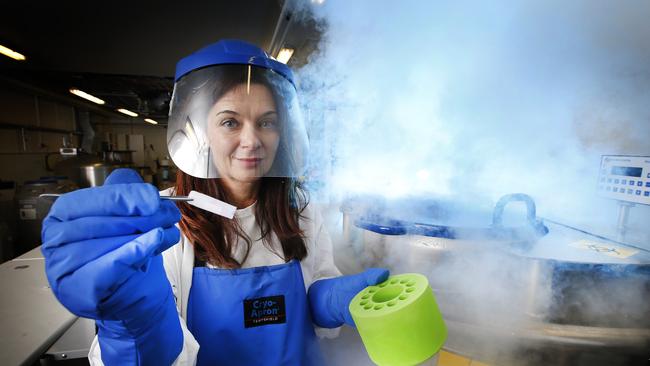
x,y
239,121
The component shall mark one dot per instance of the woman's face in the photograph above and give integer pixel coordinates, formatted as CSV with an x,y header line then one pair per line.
x,y
244,133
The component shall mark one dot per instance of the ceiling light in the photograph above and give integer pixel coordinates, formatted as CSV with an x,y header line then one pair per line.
x,y
284,55
127,112
150,121
11,53
319,2
86,96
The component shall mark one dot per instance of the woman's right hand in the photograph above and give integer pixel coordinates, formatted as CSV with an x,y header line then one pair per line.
x,y
102,246
102,249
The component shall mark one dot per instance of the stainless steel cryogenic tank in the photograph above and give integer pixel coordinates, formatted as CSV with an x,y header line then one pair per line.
x,y
513,288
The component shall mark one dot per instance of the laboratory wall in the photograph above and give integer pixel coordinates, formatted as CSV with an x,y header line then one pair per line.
x,y
33,126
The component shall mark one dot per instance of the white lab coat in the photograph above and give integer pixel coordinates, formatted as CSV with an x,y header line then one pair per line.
x,y
179,264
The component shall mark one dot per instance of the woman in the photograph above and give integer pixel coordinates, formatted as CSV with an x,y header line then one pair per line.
x,y
245,291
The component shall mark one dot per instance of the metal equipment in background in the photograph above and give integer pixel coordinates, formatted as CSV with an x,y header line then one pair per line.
x,y
89,170
626,179
512,288
31,209
76,169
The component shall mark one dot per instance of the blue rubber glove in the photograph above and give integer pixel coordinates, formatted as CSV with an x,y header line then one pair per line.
x,y
329,299
102,249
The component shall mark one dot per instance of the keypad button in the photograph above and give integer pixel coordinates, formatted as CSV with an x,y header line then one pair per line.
x,y
631,182
630,191
608,188
638,192
609,180
647,184
646,193
623,181
616,181
615,189
639,183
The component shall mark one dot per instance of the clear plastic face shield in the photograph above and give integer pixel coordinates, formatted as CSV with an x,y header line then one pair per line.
x,y
237,121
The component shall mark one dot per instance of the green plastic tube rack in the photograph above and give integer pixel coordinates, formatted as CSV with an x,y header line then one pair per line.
x,y
399,320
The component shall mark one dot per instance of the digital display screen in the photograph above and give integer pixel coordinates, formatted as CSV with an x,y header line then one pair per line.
x,y
626,171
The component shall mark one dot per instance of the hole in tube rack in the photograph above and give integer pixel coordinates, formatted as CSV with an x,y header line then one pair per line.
x,y
403,297
387,293
364,302
378,307
392,303
410,289
403,281
367,307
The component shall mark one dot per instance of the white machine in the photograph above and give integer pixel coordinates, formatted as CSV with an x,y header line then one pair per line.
x,y
625,178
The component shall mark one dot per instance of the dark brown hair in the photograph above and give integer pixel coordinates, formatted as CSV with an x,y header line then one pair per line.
x,y
280,201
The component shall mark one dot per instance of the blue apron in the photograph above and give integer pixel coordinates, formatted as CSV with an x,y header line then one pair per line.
x,y
252,316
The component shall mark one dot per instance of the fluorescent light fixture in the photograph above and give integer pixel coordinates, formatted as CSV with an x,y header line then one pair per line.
x,y
284,55
86,96
127,112
11,53
319,2
150,121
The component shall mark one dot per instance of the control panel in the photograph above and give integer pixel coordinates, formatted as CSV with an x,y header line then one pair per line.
x,y
625,178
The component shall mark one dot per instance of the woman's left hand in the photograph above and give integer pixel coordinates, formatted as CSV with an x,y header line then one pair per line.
x,y
329,299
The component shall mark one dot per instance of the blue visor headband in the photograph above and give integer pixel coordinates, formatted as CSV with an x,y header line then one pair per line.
x,y
231,52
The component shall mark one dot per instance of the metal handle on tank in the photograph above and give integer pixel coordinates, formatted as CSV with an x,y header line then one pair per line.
x,y
497,216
